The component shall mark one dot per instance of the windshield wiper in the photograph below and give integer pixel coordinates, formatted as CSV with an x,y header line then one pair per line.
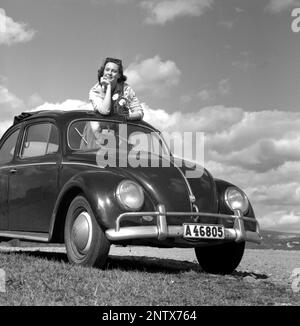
x,y
81,135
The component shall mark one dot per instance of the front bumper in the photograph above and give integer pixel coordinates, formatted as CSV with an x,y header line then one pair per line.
x,y
162,230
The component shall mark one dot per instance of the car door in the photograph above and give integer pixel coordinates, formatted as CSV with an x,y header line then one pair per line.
x,y
33,184
7,149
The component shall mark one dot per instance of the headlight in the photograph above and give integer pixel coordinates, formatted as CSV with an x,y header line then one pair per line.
x,y
130,195
236,199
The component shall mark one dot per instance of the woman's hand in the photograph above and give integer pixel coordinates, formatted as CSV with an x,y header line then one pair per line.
x,y
104,82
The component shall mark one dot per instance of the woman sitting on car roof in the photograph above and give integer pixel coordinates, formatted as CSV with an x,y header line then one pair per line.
x,y
111,95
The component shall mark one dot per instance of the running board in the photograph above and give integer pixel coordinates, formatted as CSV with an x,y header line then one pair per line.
x,y
33,236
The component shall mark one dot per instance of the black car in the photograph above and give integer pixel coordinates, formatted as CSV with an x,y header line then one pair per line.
x,y
56,186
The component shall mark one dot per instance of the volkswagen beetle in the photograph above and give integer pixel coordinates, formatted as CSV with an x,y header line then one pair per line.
x,y
90,181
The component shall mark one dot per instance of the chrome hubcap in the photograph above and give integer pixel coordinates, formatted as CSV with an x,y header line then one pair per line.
x,y
81,233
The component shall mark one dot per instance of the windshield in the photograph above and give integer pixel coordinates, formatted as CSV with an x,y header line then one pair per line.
x,y
90,135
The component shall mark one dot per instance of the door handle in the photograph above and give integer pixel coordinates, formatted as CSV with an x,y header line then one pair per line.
x,y
13,171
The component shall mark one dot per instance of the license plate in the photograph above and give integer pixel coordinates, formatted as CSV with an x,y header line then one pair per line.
x,y
203,231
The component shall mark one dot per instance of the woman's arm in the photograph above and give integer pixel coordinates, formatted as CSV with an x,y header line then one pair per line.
x,y
101,98
136,115
135,109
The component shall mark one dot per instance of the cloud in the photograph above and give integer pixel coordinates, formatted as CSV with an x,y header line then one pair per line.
x,y
259,141
162,11
160,118
109,2
186,98
207,94
67,105
227,23
13,32
34,100
243,65
154,75
10,104
3,79
4,125
290,218
210,120
239,10
262,156
277,6
244,61
281,220
273,193
224,87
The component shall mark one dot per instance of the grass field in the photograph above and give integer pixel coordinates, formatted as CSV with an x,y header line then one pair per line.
x,y
48,279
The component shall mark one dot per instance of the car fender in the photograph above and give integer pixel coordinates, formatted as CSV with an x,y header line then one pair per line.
x,y
99,189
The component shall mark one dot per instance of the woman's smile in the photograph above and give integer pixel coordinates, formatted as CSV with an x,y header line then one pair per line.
x,y
111,71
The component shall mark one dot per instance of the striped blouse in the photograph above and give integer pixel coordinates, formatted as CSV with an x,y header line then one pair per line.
x,y
96,96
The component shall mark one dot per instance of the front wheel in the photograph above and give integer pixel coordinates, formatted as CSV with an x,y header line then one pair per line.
x,y
220,259
85,241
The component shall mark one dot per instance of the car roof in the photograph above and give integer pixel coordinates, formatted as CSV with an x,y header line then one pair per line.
x,y
67,116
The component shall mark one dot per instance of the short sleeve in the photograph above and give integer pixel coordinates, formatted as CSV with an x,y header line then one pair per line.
x,y
133,101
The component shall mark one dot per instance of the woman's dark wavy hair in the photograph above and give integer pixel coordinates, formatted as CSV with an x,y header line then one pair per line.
x,y
122,77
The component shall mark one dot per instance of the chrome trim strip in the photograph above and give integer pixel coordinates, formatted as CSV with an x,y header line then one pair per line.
x,y
27,164
162,230
140,214
191,195
25,236
141,232
174,231
81,163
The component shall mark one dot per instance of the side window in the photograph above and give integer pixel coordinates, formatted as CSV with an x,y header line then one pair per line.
x,y
40,139
8,148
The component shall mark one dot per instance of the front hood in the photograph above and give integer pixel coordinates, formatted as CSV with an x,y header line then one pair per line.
x,y
165,184
170,184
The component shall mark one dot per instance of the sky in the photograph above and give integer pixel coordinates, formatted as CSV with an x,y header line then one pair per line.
x,y
227,68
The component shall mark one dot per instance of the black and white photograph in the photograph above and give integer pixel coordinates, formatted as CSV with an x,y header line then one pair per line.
x,y
149,155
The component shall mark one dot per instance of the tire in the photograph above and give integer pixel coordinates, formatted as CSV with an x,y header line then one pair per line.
x,y
220,259
85,241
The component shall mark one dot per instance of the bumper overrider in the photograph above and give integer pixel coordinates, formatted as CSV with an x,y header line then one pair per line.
x,y
162,230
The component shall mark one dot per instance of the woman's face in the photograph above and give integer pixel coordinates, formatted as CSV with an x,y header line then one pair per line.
x,y
111,72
